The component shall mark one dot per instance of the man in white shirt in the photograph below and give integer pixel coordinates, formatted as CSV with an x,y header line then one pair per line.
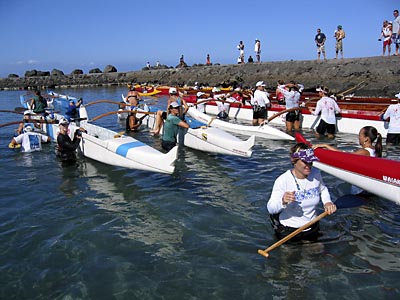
x,y
29,140
396,30
260,103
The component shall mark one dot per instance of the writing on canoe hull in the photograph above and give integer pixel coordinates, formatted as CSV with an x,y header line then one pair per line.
x,y
391,180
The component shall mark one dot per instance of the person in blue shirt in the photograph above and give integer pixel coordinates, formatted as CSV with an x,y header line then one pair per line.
x,y
72,111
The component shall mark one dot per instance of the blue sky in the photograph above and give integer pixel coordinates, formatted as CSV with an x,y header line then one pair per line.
x,y
86,34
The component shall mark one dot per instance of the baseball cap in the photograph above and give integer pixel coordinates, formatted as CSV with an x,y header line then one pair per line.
x,y
174,105
323,89
28,128
199,94
260,83
172,90
63,121
306,155
397,95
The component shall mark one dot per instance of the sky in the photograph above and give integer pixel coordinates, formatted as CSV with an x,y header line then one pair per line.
x,y
86,34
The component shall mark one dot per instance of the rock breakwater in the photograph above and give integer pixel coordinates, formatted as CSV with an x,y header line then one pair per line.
x,y
380,74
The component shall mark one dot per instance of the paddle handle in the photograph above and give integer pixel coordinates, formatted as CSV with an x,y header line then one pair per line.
x,y
294,233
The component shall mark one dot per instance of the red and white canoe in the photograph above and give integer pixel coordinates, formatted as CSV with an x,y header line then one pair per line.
x,y
378,176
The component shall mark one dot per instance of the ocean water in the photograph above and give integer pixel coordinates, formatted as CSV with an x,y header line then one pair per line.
x,y
93,231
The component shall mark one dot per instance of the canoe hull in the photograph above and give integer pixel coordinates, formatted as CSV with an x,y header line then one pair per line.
x,y
349,121
264,131
209,139
378,176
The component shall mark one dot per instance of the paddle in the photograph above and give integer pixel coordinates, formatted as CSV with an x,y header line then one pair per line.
x,y
121,111
104,101
11,111
117,103
10,123
281,113
346,201
342,94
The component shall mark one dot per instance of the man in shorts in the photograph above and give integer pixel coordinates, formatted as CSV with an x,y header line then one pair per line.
x,y
320,39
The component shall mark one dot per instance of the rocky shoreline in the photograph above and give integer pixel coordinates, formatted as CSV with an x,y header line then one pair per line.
x,y
379,74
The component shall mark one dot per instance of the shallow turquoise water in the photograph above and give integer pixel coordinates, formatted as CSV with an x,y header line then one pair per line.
x,y
101,232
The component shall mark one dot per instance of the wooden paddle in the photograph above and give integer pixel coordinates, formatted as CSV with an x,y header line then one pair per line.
x,y
282,112
10,123
104,101
11,111
346,201
342,94
121,111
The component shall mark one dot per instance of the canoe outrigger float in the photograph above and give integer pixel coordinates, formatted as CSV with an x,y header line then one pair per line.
x,y
378,176
204,138
263,131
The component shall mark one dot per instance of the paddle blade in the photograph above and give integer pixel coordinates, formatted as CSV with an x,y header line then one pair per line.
x,y
349,201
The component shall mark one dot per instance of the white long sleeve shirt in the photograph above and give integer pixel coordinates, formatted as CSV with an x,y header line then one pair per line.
x,y
308,192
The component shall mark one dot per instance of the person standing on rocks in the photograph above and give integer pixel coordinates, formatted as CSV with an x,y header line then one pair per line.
x,y
208,60
386,35
320,39
339,36
240,47
396,31
257,50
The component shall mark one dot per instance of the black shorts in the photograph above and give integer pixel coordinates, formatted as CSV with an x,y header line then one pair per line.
x,y
325,127
260,112
393,139
293,116
167,145
164,115
282,231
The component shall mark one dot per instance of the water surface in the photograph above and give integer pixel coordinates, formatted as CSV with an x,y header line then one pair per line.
x,y
100,232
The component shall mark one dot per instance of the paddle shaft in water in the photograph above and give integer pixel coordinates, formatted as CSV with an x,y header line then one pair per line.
x,y
121,111
346,201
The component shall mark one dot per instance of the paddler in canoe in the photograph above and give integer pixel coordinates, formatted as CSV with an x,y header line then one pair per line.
x,y
132,99
162,115
296,194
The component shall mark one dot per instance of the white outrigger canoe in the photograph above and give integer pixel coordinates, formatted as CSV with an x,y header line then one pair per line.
x,y
263,131
111,148
350,121
208,139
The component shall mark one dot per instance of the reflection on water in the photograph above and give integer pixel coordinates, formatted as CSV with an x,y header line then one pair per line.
x,y
98,232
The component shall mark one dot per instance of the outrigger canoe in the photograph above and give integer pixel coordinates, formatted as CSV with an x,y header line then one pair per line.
x,y
349,120
109,147
378,176
204,138
263,131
